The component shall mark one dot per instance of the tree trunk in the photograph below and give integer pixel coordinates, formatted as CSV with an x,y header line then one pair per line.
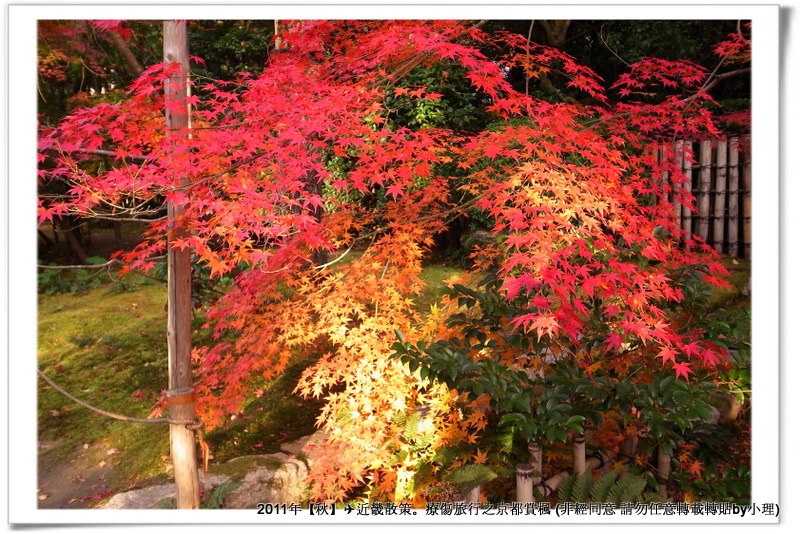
x,y
555,32
126,53
118,235
68,229
179,395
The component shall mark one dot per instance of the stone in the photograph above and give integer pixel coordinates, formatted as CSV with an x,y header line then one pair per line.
x,y
146,498
263,484
278,478
306,447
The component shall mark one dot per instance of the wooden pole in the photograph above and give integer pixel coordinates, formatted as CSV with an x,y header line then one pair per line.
x,y
733,197
703,200
179,339
663,472
746,173
686,162
720,181
676,185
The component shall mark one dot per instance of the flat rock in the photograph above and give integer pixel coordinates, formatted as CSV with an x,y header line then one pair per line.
x,y
306,446
269,478
146,498
283,483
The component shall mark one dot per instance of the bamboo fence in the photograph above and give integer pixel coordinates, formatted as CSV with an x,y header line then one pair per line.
x,y
717,173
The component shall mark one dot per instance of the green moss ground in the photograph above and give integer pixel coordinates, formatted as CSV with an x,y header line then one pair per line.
x,y
107,346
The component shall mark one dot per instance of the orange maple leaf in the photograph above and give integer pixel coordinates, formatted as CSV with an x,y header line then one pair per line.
x,y
696,469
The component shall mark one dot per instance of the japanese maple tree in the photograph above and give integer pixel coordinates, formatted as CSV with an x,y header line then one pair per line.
x,y
586,244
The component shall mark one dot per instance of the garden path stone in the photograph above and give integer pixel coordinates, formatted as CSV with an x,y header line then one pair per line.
x,y
268,478
148,497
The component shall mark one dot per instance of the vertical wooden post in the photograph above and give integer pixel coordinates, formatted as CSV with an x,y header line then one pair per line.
x,y
179,340
676,185
746,173
703,200
686,161
663,472
733,197
720,181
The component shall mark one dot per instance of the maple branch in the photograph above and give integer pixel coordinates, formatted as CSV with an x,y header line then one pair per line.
x,y
336,260
222,173
126,219
109,263
99,152
719,77
605,43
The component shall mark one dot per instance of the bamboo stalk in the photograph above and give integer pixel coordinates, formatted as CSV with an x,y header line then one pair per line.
x,y
703,196
676,185
719,195
473,495
525,483
686,161
550,486
733,197
746,171
535,449
579,454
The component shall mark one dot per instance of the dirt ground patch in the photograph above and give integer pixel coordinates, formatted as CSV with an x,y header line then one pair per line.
x,y
84,479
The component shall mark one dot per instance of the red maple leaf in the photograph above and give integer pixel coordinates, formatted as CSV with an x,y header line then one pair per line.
x,y
682,369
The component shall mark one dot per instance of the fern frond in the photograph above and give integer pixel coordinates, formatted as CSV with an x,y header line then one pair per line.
x,y
582,488
565,489
633,490
652,496
445,456
217,497
505,439
627,489
470,476
602,486
412,423
399,456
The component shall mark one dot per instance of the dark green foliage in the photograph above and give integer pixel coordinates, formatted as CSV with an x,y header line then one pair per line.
x,y
615,487
229,47
470,476
57,281
217,497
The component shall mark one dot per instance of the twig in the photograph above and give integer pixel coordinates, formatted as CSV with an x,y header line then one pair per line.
x,y
527,55
109,263
600,34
